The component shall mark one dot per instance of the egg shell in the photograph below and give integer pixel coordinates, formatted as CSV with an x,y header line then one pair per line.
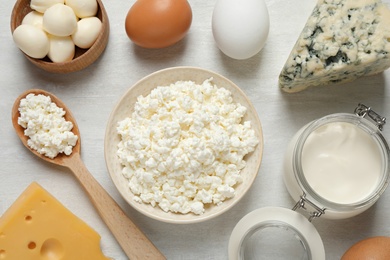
x,y
62,49
240,28
158,24
42,5
59,20
83,8
31,40
34,18
87,31
374,248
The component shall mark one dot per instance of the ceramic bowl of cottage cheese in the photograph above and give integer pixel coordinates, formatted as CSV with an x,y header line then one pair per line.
x,y
183,145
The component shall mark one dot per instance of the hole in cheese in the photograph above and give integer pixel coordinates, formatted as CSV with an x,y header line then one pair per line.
x,y
32,245
52,249
2,254
28,218
74,239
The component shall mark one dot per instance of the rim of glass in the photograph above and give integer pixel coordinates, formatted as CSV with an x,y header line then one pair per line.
x,y
275,224
366,126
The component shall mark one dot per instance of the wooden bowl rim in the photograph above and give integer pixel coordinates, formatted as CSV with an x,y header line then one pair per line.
x,y
81,61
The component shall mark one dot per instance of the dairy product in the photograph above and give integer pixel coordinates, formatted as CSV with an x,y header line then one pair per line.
x,y
42,5
60,20
341,162
37,227
87,32
341,41
61,49
83,9
31,40
34,18
48,131
54,28
337,166
183,146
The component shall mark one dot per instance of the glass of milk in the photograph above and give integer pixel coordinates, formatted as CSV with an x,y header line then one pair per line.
x,y
338,165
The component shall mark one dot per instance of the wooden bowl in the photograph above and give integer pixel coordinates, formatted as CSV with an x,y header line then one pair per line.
x,y
83,57
125,108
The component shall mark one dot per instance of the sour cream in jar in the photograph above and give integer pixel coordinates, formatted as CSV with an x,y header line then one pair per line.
x,y
340,162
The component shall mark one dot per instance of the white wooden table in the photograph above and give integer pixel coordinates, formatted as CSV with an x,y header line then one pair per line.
x,y
92,93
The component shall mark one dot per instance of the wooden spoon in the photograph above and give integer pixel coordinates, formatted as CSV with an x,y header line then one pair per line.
x,y
133,242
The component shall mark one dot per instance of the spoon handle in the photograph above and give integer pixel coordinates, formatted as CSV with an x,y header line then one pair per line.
x,y
132,240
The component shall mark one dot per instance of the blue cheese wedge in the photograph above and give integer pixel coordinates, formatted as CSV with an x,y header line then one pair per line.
x,y
341,41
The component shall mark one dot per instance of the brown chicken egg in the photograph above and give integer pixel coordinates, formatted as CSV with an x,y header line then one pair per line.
x,y
374,248
158,23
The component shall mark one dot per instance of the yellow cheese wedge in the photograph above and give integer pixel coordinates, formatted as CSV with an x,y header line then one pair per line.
x,y
37,226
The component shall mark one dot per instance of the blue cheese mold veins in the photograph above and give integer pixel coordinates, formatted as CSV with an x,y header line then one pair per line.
x,y
341,41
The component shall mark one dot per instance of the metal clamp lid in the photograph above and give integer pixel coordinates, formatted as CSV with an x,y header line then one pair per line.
x,y
312,214
363,111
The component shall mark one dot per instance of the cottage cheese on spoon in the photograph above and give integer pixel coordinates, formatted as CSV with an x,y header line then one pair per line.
x,y
48,131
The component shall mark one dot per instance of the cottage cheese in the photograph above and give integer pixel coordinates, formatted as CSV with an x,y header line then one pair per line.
x,y
183,146
48,131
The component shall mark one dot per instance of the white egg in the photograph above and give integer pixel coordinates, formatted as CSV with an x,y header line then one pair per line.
x,y
82,9
31,40
60,20
88,30
240,28
62,49
34,18
42,5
